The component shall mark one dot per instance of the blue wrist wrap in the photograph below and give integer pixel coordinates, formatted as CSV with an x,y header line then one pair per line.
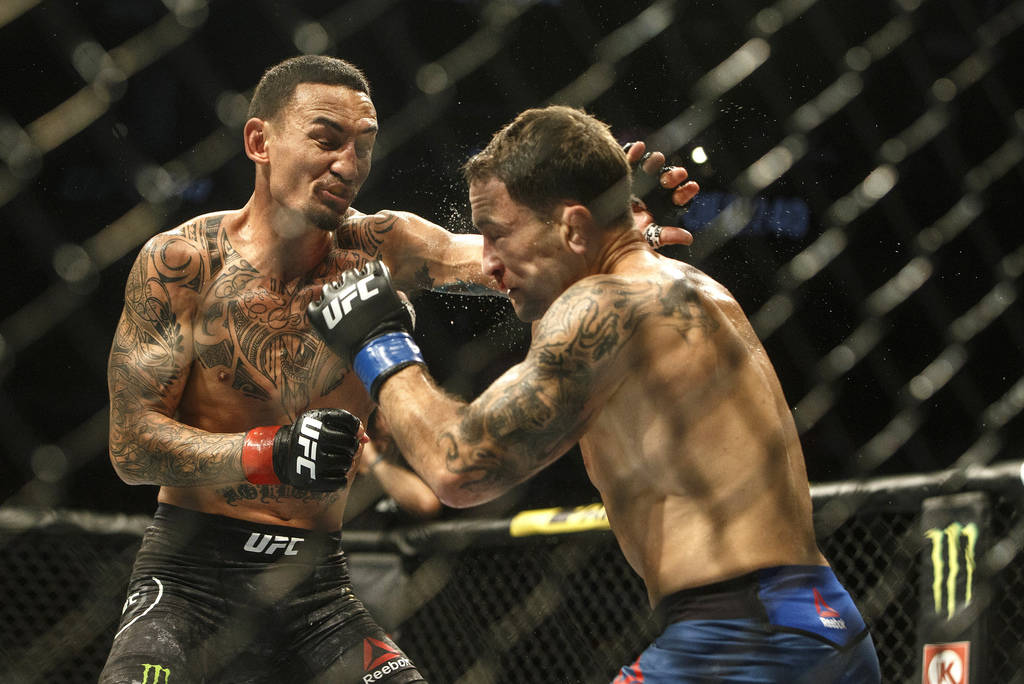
x,y
383,356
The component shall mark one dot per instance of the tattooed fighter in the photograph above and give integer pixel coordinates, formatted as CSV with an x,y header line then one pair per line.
x,y
223,395
652,366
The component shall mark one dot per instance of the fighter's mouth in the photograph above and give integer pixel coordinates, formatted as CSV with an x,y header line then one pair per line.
x,y
336,193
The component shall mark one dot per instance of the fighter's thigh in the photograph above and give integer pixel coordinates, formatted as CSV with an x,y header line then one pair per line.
x,y
159,636
706,651
361,652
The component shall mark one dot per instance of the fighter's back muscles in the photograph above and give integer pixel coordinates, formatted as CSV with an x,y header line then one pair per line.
x,y
534,412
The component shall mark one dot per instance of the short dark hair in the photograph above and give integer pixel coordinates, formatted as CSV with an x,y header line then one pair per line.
x,y
548,155
278,83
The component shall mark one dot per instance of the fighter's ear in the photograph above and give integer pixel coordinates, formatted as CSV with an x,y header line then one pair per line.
x,y
255,140
576,221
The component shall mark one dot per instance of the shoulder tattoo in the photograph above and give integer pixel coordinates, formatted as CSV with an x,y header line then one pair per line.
x,y
509,432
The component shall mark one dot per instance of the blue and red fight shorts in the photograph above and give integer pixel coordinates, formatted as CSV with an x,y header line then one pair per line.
x,y
793,624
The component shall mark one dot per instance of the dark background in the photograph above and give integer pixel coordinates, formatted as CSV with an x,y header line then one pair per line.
x,y
940,382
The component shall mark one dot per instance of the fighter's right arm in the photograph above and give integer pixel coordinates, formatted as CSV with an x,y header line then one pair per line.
x,y
148,367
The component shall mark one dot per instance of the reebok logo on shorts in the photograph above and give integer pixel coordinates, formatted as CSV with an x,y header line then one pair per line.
x,y
828,615
381,659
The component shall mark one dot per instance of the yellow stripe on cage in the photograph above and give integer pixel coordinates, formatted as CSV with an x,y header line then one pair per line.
x,y
559,520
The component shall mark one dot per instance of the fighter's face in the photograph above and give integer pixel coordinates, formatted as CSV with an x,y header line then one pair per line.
x,y
319,150
526,254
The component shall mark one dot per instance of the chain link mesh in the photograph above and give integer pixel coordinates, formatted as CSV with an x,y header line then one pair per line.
x,y
861,165
553,609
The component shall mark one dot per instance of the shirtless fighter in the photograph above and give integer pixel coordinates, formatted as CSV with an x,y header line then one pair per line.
x,y
654,369
222,394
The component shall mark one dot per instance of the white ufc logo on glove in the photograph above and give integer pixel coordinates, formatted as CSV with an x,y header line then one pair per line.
x,y
342,302
309,433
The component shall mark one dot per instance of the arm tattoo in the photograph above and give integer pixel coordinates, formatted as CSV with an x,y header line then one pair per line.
x,y
148,364
247,492
365,233
192,297
425,281
540,407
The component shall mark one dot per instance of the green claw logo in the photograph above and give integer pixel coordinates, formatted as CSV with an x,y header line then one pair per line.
x,y
946,567
157,671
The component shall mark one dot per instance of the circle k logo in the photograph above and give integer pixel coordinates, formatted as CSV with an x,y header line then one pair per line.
x,y
946,663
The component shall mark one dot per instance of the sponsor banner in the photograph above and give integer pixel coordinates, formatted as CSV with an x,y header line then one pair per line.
x,y
953,621
947,663
559,520
155,674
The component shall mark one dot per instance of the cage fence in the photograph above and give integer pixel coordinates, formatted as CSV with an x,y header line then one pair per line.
x,y
476,604
861,166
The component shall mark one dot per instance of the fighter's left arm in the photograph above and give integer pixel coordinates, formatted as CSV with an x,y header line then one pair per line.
x,y
470,453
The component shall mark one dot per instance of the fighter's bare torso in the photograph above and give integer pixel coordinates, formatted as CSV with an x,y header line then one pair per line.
x,y
211,345
694,453
255,361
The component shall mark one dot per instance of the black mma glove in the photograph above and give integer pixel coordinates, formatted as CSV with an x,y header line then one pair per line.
x,y
651,194
363,320
314,453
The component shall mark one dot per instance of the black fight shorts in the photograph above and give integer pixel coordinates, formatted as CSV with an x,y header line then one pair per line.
x,y
214,599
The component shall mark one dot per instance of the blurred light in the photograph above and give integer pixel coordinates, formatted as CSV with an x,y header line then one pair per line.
x,y
311,38
72,263
773,314
698,155
939,372
809,262
768,20
89,58
858,58
232,108
893,150
49,463
12,9
944,89
432,78
1006,408
18,150
840,360
880,181
828,102
812,407
896,291
736,67
984,313
154,183
776,162
96,66
189,13
844,209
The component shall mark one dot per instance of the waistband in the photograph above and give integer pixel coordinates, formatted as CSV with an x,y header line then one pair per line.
x,y
729,599
806,599
234,540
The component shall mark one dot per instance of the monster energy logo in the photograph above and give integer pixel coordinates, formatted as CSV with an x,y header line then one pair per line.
x,y
946,564
157,670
